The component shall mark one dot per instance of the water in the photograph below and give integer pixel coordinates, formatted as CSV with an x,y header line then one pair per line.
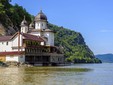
x,y
79,74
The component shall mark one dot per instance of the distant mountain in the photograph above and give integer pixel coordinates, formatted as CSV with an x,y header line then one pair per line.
x,y
105,58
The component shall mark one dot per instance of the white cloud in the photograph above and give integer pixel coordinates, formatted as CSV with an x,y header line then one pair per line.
x,y
106,30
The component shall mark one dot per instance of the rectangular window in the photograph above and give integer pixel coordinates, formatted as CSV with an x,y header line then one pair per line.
x,y
21,56
11,56
6,43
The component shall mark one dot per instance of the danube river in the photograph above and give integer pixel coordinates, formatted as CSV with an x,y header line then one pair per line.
x,y
78,74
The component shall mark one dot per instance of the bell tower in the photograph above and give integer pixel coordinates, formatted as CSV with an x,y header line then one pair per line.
x,y
41,21
42,30
24,26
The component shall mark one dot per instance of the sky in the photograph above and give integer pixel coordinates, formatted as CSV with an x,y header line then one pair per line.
x,y
92,18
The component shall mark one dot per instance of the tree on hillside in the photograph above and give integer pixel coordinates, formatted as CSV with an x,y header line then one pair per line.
x,y
12,15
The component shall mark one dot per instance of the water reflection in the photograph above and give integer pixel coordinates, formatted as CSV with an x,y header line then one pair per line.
x,y
71,75
38,75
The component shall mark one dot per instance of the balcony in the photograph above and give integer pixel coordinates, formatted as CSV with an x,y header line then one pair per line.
x,y
34,50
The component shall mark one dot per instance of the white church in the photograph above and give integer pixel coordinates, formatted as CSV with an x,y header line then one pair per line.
x,y
34,44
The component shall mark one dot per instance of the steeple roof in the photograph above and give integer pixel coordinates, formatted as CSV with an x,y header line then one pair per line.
x,y
24,22
31,25
41,16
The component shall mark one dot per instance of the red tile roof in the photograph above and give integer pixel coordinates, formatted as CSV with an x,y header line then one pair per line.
x,y
11,53
5,38
33,37
26,35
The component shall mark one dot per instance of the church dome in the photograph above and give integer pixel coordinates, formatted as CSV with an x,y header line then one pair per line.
x,y
31,25
24,22
41,16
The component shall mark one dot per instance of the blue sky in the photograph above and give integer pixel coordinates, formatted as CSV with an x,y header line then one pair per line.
x,y
92,18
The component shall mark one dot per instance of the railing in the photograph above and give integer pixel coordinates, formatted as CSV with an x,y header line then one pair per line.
x,y
40,49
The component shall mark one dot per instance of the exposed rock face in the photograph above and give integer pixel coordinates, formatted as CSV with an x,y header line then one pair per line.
x,y
2,30
10,31
11,17
6,31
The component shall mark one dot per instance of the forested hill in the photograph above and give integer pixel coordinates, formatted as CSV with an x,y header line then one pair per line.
x,y
75,48
11,17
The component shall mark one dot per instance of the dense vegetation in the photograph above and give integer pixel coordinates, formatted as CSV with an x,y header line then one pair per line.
x,y
73,43
75,48
11,16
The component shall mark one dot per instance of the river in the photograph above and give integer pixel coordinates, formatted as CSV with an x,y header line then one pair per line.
x,y
78,74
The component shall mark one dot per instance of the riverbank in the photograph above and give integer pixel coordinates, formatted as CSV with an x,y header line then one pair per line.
x,y
17,64
14,64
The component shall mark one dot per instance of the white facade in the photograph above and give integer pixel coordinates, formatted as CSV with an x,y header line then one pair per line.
x,y
24,29
49,35
50,38
17,58
12,46
12,58
40,25
7,46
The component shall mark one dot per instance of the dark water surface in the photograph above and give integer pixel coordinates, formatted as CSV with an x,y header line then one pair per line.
x,y
79,74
